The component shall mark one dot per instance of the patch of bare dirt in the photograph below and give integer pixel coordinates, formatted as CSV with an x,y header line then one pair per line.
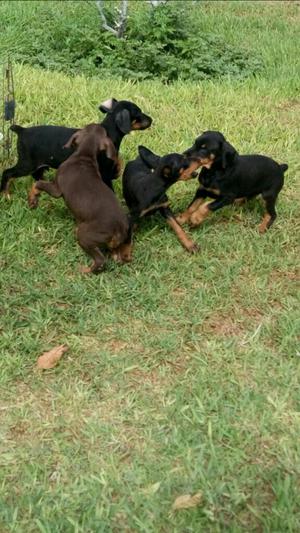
x,y
223,326
293,104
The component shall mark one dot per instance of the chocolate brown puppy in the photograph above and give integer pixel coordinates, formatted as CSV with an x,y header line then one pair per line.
x,y
100,219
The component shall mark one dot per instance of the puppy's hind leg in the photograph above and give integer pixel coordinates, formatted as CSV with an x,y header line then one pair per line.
x,y
88,245
17,171
270,215
47,186
38,174
123,253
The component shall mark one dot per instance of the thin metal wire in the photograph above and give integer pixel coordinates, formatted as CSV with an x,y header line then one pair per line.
x,y
8,109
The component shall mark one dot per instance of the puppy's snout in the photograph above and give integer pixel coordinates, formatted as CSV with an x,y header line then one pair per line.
x,y
185,165
145,122
203,153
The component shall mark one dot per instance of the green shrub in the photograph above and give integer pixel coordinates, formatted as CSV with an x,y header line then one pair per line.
x,y
165,42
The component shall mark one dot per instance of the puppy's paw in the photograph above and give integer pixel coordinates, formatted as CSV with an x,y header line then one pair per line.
x,y
116,256
192,247
265,223
183,218
85,270
122,254
262,228
240,201
195,221
32,202
126,258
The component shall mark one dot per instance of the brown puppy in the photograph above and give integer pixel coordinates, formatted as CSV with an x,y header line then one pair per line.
x,y
100,219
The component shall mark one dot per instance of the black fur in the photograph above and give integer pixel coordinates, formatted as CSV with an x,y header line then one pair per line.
x,y
227,176
145,182
41,147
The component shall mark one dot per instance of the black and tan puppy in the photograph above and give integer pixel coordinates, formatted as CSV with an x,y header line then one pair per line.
x,y
43,147
227,176
100,219
145,182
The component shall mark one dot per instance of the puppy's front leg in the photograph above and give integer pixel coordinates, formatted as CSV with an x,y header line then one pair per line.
x,y
198,200
186,242
205,209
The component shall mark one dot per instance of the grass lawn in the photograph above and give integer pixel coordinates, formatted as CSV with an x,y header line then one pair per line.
x,y
182,374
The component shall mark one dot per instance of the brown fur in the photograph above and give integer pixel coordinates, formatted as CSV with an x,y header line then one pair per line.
x,y
99,217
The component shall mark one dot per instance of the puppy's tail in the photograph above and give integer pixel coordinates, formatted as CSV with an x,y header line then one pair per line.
x,y
284,167
17,129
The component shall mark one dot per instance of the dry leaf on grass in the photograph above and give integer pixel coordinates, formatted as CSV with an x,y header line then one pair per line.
x,y
51,358
186,501
152,489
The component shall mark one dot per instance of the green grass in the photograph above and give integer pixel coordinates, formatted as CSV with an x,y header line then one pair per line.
x,y
182,373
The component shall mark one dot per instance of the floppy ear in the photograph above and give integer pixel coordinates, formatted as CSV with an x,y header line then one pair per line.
x,y
106,144
72,142
123,121
108,105
228,153
149,158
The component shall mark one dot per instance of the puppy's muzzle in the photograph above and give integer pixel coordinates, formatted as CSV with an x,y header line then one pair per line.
x,y
142,123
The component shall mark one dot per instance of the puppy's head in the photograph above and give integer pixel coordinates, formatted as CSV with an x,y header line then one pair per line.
x,y
93,138
127,115
171,167
176,167
211,147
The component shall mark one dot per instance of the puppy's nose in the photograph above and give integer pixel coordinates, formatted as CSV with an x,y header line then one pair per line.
x,y
146,121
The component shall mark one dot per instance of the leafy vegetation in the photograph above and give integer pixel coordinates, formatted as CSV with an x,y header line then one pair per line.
x,y
182,374
163,42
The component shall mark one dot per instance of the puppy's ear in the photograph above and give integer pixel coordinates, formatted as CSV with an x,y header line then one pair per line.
x,y
108,105
149,158
106,144
228,153
123,121
73,141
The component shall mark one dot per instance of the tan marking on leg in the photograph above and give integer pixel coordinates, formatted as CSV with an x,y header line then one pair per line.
x,y
240,201
152,207
114,242
186,242
185,215
85,270
115,255
200,214
264,224
6,192
125,252
215,191
33,196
